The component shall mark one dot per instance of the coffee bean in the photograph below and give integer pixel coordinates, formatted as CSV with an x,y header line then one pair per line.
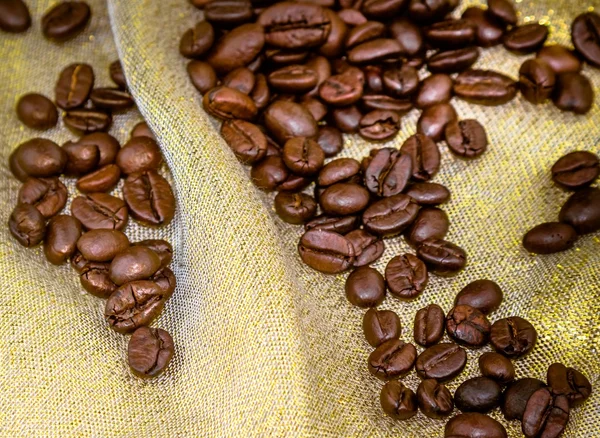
x,y
269,173
27,225
346,119
295,208
428,11
100,211
102,180
330,139
382,102
398,401
435,401
484,87
315,107
585,34
513,336
466,138
365,287
78,261
429,325
16,168
165,279
390,216
117,75
48,195
107,146
526,38
352,17
549,238
260,94
468,326
139,154
113,99
149,198
229,103
65,20
338,171
36,111
536,80
74,86
237,48
367,248
341,90
102,245
379,125
364,32
14,16
582,211
408,35
202,75
453,61
474,425
388,172
424,154
293,79
326,251
284,56
434,119
39,157
246,141
374,51
478,394
568,382
135,263
451,34
344,199
545,415
340,225
406,276
82,157
162,248
516,395
489,31
228,12
60,242
392,359
576,169
141,129
95,279
133,305
380,326
441,362
87,120
430,223
285,120
149,352
483,295
334,45
497,367
503,10
560,59
574,93
428,193
434,89
303,156
401,82
441,257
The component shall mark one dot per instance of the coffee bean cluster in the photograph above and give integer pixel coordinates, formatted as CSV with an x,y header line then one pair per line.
x,y
581,212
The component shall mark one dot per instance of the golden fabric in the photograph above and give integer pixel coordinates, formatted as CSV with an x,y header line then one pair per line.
x,y
264,345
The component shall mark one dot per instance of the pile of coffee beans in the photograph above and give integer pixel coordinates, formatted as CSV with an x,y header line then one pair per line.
x,y
579,215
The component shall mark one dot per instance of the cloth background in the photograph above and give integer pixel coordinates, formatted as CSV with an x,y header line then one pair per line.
x,y
264,345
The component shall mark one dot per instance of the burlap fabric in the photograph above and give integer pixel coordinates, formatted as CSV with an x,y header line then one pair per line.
x,y
266,346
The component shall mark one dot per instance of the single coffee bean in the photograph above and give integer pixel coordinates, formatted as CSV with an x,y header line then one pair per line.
x,y
16,168
585,34
474,425
466,138
441,362
102,245
269,173
430,223
330,139
434,399
576,169
102,180
582,211
429,325
382,8
303,156
260,94
526,38
468,326
549,238
428,11
228,12
478,394
367,248
66,20
380,326
483,295
516,395
365,287
14,16
374,51
568,382
74,86
237,48
392,359
202,76
513,336
424,154
341,90
441,257
334,45
409,35
484,87
48,195
27,225
295,208
338,171
434,119
574,93
379,125
496,367
428,193
165,279
390,216
149,352
113,99
62,234
35,110
82,157
401,82
229,103
87,120
451,34
100,211
247,142
284,56
135,263
536,80
336,224
388,172
364,32
293,78
149,198
107,146
326,251
315,107
117,75
372,102
545,415
285,120
373,78
162,248
453,61
344,199
346,119
352,17
503,10
39,157
139,154
141,129
95,279
560,59
489,31
398,401
406,276
197,41
434,89
78,261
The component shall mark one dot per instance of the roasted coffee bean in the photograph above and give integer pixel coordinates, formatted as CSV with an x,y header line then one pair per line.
x,y
582,211
406,276
365,287
141,129
364,32
162,248
321,66
60,242
341,90
78,261
102,180
102,245
585,34
27,225
398,401
546,415
380,326
424,154
326,251
202,75
526,38
503,10
285,57
285,120
340,225
560,59
95,279
434,119
489,31
576,169
468,326
483,295
269,173
111,98
367,247
453,61
382,102
536,80
429,325
352,17
474,425
149,352
74,86
135,263
390,216
117,75
374,51
35,110
441,362
388,172
260,94
237,48
343,199
149,198
428,11
303,156
165,279
428,193
484,87
334,45
82,157
48,195
315,107
382,8
401,81
228,12
574,93
435,401
513,336
392,359
477,394
408,35
247,142
133,305
100,211
451,34
430,223
87,121
434,89
337,171
441,257
373,79
549,238
293,79
16,168
516,395
295,208
379,125
347,119
229,103
568,382
39,157
139,154
14,16
65,20
466,138
107,146
497,367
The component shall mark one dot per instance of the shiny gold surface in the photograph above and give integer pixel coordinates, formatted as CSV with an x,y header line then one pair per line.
x,y
265,346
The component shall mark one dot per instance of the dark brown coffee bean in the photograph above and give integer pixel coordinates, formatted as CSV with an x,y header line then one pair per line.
x,y
346,119
430,223
135,263
428,193
149,198
341,90
285,56
428,11
560,59
39,157
441,257
165,279
582,211
401,81
503,10
107,146
585,34
468,326
574,93
285,120
78,261
326,251
434,89
102,180
429,325
434,119
372,102
474,425
526,38
35,110
139,154
334,45
408,35
367,247
247,142
294,183
149,352
229,103
74,86
260,94
303,156
546,415
483,295
293,79
315,107
340,225
477,394
453,61
102,245
392,359
117,75
576,169
441,362
237,48
365,287
295,208
451,34
388,172
364,32
100,211
87,120
398,401
536,80
379,125
343,199
513,336
406,276
65,20
202,75
352,17
95,279
321,66
48,195
382,8
162,248
228,12
516,395
549,238
466,138
568,382
390,216
424,154
113,99
484,87
14,16
27,225
497,367
82,157
269,173
435,401
337,171
374,51
380,326
489,31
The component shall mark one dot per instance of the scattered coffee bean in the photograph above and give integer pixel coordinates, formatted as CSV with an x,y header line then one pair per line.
x,y
198,40
295,208
549,238
489,32
66,20
388,172
429,325
35,110
516,395
424,154
406,276
478,394
472,425
48,195
14,16
82,158
246,141
428,193
326,251
149,198
573,93
367,248
107,145
162,248
392,359
379,125
545,414
100,211
87,120
468,326
582,211
560,59
285,120
102,180
576,169
585,32
568,382
303,156
117,75
441,362
453,61
202,75
536,80
102,245
149,351
135,263
484,87
365,287
441,257
380,326
95,279
133,305
434,119
497,367
111,98
503,10
526,38
74,86
60,242
398,401
431,223
27,225
434,399
513,336
483,295
390,216
38,157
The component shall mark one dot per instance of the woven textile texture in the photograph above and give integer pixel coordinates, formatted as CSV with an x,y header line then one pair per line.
x,y
264,345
